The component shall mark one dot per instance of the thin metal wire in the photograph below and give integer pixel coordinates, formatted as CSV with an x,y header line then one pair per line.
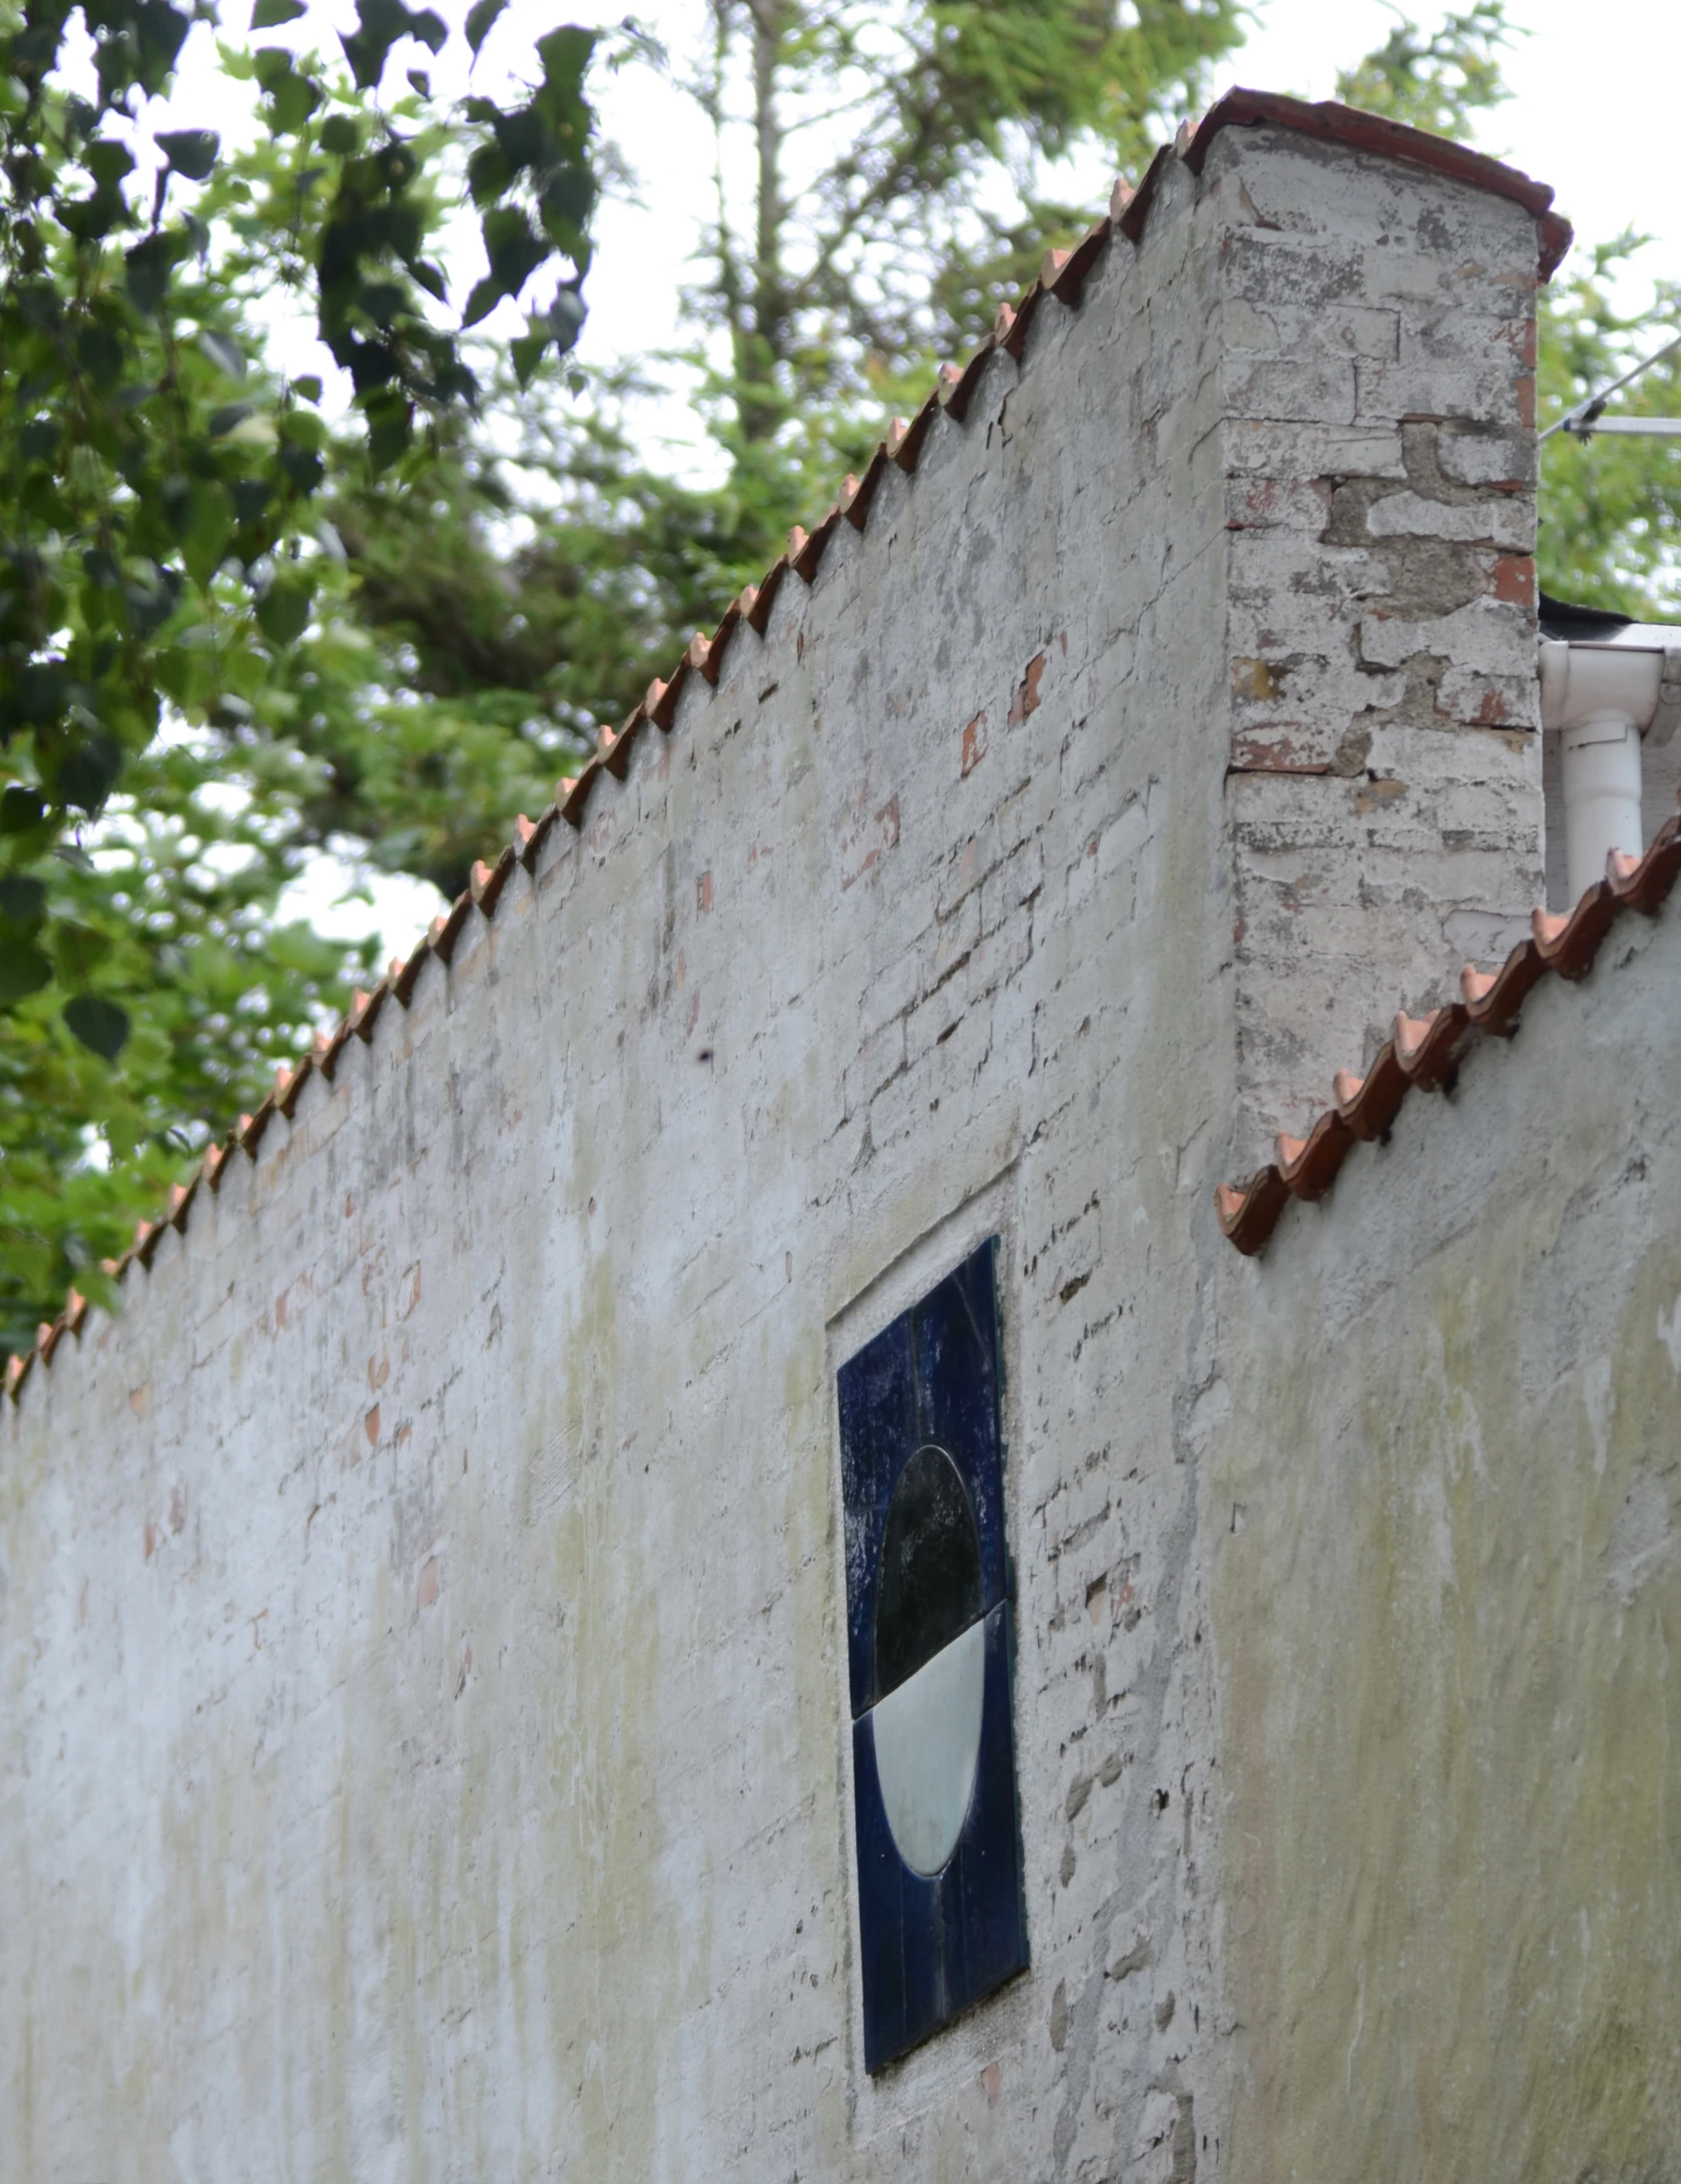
x,y
1586,412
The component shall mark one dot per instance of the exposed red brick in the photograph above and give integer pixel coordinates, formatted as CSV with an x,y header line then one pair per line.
x,y
1515,579
1027,695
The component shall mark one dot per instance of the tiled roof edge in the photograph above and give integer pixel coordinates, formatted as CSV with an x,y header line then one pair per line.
x,y
1424,1052
1062,274
1361,132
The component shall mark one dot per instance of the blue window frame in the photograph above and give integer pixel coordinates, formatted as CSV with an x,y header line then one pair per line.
x,y
929,1658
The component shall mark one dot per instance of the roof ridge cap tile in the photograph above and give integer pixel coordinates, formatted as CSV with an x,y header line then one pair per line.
x,y
1361,130
1423,1053
1351,125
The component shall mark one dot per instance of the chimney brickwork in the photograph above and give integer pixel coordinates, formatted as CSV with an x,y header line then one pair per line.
x,y
1383,796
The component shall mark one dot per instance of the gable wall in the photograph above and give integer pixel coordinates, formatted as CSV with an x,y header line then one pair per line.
x,y
1443,1507
422,1643
1384,794
421,1627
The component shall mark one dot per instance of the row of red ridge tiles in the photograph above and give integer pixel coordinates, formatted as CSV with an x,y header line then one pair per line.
x,y
1062,274
1424,1052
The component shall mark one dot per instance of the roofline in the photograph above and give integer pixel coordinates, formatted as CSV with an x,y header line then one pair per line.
x,y
1062,275
1361,132
1424,1052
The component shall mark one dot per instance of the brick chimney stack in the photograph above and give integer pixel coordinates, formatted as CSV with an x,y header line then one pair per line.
x,y
1384,791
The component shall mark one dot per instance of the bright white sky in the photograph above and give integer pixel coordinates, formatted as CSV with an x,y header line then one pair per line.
x,y
1592,114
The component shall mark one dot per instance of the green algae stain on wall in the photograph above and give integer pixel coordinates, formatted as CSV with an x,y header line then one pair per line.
x,y
1449,1596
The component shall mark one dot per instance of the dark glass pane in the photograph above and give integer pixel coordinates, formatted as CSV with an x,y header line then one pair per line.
x,y
930,1589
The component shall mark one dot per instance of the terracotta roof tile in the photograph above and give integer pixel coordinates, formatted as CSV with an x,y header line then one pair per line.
x,y
1424,1052
1361,131
721,639
488,881
1363,1108
365,1007
905,448
572,796
403,975
534,833
957,382
289,1083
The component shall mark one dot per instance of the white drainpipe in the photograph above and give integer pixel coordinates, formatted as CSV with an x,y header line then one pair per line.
x,y
1603,696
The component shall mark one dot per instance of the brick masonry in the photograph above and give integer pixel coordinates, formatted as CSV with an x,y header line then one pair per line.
x,y
422,1612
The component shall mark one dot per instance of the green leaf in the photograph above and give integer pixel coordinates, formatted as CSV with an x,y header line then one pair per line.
x,y
21,808
23,900
340,135
565,55
86,772
80,949
480,18
310,388
226,356
147,269
23,970
101,1025
223,420
303,427
189,151
390,422
525,352
283,613
109,162
513,250
302,466
382,24
292,97
271,14
566,318
482,299
39,440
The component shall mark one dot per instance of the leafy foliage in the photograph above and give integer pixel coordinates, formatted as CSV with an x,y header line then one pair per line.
x,y
1435,80
508,602
395,637
943,119
1611,507
164,552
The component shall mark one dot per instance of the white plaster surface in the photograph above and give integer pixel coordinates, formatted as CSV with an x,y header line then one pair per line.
x,y
426,1736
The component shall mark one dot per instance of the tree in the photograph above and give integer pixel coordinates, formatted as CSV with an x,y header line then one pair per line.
x,y
1435,81
163,546
1611,532
858,126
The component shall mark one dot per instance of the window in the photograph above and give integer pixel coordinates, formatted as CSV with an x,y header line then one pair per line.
x,y
930,1647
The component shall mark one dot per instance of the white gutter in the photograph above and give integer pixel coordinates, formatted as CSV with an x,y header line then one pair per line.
x,y
1603,696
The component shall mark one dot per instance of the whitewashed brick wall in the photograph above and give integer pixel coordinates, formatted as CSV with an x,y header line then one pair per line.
x,y
421,1669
